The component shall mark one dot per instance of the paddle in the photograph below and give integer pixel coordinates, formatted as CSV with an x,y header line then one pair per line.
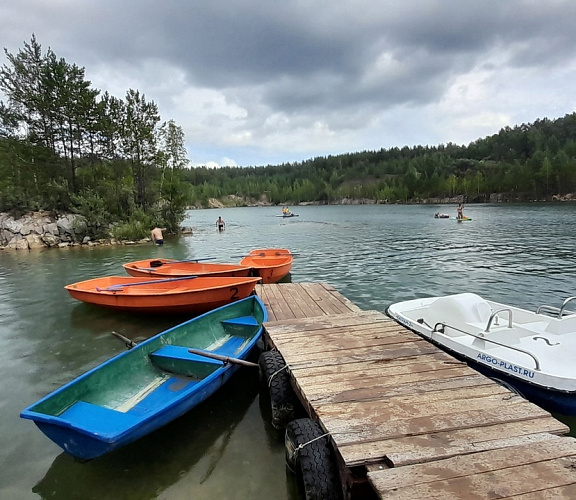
x,y
261,254
152,282
129,343
158,263
224,359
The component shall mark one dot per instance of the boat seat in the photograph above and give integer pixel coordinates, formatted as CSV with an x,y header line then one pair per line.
x,y
98,419
465,311
232,346
244,326
177,359
564,325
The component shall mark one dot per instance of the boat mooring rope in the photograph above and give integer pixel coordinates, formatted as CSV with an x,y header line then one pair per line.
x,y
276,373
300,446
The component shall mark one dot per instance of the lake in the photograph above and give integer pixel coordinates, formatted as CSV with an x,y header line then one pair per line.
x,y
375,255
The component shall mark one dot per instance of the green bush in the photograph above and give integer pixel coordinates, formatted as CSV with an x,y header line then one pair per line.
x,y
138,226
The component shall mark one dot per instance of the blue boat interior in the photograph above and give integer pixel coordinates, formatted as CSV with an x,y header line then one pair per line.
x,y
177,371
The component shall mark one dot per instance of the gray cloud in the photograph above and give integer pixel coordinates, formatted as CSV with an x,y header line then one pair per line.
x,y
317,76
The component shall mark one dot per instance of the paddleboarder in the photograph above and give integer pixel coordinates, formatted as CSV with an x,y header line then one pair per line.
x,y
459,214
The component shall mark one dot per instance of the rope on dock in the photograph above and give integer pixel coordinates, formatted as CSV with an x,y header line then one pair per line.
x,y
300,446
276,373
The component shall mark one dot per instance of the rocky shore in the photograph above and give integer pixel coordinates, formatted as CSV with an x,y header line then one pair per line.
x,y
41,230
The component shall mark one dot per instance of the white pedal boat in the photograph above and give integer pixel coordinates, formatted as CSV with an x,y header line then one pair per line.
x,y
534,352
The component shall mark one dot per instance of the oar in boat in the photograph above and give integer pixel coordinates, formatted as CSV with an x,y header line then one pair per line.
x,y
261,254
119,286
158,263
129,342
248,255
224,359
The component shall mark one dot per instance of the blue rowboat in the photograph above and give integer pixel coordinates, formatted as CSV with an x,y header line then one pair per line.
x,y
145,388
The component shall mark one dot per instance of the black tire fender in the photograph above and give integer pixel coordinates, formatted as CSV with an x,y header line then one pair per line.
x,y
275,378
310,456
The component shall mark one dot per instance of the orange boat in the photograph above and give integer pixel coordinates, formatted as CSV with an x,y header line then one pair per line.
x,y
168,268
187,294
271,264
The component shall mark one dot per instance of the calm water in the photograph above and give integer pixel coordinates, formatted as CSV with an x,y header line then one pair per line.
x,y
374,255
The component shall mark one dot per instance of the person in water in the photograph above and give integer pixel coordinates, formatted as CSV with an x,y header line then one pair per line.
x,y
459,214
156,235
220,224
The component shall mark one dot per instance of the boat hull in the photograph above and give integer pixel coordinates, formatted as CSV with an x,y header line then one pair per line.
x,y
270,264
165,268
195,295
145,388
529,352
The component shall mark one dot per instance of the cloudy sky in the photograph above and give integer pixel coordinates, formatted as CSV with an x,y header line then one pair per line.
x,y
256,82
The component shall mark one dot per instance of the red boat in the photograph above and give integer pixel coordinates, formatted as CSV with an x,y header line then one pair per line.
x,y
188,294
168,268
271,264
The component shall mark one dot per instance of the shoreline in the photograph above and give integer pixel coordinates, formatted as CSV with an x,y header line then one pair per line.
x,y
40,230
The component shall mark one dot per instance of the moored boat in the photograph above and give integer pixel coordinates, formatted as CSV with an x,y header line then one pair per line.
x,y
187,294
167,268
140,390
270,264
533,352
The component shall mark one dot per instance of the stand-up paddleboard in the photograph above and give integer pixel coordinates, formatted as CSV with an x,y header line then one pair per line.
x,y
464,219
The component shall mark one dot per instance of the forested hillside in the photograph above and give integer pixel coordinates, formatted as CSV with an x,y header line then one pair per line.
x,y
527,162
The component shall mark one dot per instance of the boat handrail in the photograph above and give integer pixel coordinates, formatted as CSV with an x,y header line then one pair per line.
x,y
482,337
564,304
559,311
495,315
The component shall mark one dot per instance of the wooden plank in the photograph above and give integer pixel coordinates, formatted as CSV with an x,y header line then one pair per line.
x,y
477,462
326,301
297,294
489,474
436,403
269,301
347,302
356,373
283,311
297,360
356,431
298,307
420,383
299,325
352,339
413,364
330,297
567,492
337,325
406,450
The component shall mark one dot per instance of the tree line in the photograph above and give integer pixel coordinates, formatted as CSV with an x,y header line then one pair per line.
x,y
67,147
527,162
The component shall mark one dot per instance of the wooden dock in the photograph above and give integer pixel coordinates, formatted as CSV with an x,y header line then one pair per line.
x,y
407,420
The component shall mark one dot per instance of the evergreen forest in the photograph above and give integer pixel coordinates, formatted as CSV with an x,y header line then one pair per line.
x,y
67,147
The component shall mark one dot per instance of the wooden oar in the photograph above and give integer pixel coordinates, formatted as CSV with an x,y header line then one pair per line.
x,y
129,343
261,254
249,255
151,282
158,263
224,359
